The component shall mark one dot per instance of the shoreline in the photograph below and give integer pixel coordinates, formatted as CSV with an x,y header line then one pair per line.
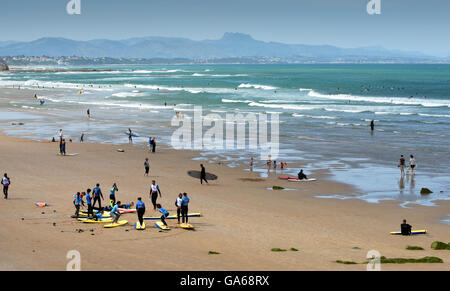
x,y
241,220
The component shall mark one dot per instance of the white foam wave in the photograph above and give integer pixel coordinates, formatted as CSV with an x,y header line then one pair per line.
x,y
256,86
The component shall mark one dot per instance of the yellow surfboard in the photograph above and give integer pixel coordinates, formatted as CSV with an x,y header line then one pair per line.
x,y
86,220
139,226
421,231
84,214
186,226
119,223
161,225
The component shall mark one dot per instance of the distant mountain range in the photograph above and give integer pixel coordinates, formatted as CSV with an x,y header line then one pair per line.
x,y
231,45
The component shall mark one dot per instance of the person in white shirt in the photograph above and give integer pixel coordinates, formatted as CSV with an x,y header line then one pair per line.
x,y
412,163
178,205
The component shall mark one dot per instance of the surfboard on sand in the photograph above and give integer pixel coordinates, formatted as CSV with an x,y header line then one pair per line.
x,y
173,216
139,226
124,210
119,223
161,225
304,180
68,155
84,214
186,226
88,220
421,231
41,204
196,174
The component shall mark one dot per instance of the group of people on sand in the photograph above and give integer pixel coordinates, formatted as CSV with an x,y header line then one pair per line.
x,y
95,195
402,164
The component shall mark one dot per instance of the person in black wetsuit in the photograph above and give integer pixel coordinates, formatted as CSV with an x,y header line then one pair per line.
x,y
372,125
405,228
302,176
203,175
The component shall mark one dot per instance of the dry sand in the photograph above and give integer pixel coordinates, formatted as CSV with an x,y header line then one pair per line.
x,y
242,220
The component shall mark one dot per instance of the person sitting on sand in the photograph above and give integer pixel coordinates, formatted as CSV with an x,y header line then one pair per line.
x,y
78,202
405,228
99,215
302,176
115,214
164,213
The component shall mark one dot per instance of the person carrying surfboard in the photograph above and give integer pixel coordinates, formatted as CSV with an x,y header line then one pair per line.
x,y
184,207
115,214
112,194
6,181
147,167
140,209
154,190
164,213
203,174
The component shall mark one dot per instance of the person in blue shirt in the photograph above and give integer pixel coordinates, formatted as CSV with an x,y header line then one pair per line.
x,y
140,209
99,215
90,211
164,213
112,194
115,214
184,207
97,193
78,202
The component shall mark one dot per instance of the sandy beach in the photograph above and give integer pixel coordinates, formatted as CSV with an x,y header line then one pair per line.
x,y
241,218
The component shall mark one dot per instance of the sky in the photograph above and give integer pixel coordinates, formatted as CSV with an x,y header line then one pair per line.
x,y
412,25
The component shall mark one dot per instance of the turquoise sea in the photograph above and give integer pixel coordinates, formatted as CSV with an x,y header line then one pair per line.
x,y
325,111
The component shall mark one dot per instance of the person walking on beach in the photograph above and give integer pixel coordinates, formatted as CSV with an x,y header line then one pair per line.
x,y
150,142
6,181
401,165
153,145
203,174
251,164
140,209
98,196
178,206
147,167
82,137
154,190
130,135
112,194
184,208
412,163
164,213
78,202
115,213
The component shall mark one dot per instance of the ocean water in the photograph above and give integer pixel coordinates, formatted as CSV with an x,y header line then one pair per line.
x,y
325,111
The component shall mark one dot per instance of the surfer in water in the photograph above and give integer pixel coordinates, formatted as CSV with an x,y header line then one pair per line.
x,y
203,174
372,125
88,113
302,176
164,213
154,190
140,209
401,165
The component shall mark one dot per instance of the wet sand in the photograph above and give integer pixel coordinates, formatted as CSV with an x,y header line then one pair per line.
x,y
241,219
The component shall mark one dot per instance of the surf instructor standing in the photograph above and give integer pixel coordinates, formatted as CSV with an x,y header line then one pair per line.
x,y
154,190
